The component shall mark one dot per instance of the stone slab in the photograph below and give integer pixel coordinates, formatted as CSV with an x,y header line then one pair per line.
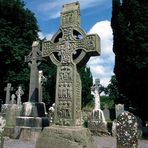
x,y
65,137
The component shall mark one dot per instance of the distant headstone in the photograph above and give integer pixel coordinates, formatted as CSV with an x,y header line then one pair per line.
x,y
8,89
119,108
69,49
127,130
13,99
19,93
2,125
106,114
42,79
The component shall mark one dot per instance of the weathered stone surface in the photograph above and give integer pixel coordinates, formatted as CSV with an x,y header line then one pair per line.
x,y
65,137
127,130
119,108
2,125
69,49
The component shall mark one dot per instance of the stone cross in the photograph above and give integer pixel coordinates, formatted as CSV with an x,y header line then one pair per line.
x,y
33,60
127,130
42,79
69,49
95,93
19,93
8,89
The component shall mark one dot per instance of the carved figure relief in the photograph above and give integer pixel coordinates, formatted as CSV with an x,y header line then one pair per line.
x,y
64,109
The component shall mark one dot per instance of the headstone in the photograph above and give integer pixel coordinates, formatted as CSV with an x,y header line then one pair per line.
x,y
106,114
97,122
2,125
8,89
126,127
13,99
19,93
119,108
68,49
33,114
42,80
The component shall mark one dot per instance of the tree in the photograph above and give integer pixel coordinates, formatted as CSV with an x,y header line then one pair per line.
x,y
130,27
18,29
87,82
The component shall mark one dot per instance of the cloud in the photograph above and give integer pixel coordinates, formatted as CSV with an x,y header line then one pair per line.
x,y
42,35
52,9
102,66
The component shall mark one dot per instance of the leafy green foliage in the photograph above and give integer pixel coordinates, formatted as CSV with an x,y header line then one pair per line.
x,y
18,29
106,101
130,27
87,82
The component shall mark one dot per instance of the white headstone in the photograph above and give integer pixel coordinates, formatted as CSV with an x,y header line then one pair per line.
x,y
119,108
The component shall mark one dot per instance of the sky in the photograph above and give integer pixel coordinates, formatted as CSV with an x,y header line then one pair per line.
x,y
95,18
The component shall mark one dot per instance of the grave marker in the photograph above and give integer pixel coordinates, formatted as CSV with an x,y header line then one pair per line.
x,y
119,108
19,93
8,89
127,130
69,48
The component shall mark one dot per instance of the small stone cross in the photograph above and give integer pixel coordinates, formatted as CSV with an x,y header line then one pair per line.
x,y
19,93
69,49
8,89
33,59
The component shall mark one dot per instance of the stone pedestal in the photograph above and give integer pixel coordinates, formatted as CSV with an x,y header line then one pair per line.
x,y
65,137
32,115
10,112
97,123
31,120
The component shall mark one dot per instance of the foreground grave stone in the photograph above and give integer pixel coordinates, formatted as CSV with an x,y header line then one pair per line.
x,y
69,49
127,130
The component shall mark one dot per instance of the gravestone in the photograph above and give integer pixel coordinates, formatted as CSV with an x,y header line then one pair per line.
x,y
2,125
68,49
106,113
8,89
97,123
127,130
32,117
119,108
42,80
13,99
19,93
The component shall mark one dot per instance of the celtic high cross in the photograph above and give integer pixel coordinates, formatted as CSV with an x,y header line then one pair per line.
x,y
69,49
